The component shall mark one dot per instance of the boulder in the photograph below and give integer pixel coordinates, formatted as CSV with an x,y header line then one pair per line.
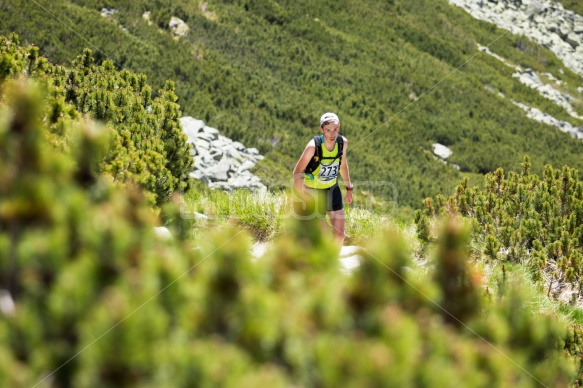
x,y
163,233
146,16
108,12
191,127
442,151
536,114
573,39
547,23
178,27
7,305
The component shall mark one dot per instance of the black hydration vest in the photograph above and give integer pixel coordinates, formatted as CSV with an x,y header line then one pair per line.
x,y
317,158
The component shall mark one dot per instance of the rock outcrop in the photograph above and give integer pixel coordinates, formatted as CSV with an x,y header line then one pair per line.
x,y
545,22
219,161
533,80
538,115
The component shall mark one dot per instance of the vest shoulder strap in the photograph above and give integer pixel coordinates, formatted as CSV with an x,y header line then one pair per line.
x,y
340,142
317,158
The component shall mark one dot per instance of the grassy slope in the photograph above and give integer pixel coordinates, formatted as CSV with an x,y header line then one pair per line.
x,y
574,5
262,72
266,216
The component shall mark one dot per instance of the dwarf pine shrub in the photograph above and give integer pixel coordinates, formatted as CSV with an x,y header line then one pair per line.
x,y
148,146
536,221
531,220
98,300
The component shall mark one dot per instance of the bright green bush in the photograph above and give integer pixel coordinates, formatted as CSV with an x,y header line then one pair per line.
x,y
101,301
148,146
524,218
535,221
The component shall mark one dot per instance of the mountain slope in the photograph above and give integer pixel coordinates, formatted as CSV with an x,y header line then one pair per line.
x,y
401,75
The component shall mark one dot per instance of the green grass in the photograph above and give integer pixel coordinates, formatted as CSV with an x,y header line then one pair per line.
x,y
573,5
499,277
264,214
261,213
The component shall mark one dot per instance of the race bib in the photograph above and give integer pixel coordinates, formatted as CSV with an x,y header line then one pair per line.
x,y
328,172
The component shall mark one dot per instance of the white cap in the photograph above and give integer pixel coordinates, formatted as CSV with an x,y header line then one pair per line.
x,y
329,117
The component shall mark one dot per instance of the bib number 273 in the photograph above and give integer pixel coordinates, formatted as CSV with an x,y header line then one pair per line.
x,y
329,172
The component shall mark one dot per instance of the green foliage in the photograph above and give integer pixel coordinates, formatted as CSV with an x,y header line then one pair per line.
x,y
573,5
270,10
528,219
264,71
264,214
460,299
148,146
101,301
261,214
536,220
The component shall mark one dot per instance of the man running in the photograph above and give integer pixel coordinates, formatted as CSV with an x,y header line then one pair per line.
x,y
316,173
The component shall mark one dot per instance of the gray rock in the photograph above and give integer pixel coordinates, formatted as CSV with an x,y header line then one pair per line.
x,y
219,161
245,166
545,22
108,12
7,305
163,233
178,27
546,29
442,151
203,155
536,114
573,39
219,171
211,131
232,152
191,127
208,137
196,174
202,144
217,154
238,146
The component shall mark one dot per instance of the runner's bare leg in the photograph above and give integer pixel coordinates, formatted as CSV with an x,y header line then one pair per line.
x,y
337,221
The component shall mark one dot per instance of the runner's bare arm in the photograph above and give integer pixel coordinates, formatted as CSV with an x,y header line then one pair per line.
x,y
344,173
302,164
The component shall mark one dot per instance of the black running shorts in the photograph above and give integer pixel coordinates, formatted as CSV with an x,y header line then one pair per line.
x,y
327,199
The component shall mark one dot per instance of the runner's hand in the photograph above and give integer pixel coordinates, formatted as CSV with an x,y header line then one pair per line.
x,y
349,197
